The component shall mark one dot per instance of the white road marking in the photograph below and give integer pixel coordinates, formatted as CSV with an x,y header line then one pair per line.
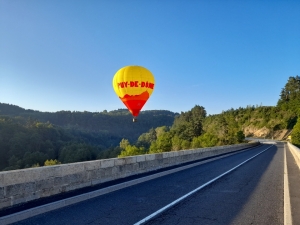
x,y
287,202
194,191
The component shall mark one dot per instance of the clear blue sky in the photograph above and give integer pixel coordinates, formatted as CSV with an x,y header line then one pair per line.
x,y
62,54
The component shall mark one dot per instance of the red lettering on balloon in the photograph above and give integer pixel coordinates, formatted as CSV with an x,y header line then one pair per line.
x,y
143,84
151,85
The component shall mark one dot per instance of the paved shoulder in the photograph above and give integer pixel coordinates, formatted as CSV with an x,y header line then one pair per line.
x,y
294,185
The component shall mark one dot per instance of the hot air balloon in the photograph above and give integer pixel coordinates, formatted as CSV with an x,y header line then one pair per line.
x,y
133,85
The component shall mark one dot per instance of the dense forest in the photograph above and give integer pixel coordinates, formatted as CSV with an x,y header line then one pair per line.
x,y
31,138
193,129
117,123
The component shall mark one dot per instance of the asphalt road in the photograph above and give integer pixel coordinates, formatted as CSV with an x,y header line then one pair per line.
x,y
251,194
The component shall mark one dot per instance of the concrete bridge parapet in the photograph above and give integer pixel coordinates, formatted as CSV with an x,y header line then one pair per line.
x,y
20,186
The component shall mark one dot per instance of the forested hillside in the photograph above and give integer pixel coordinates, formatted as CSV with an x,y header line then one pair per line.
x,y
31,138
188,131
193,129
269,119
116,123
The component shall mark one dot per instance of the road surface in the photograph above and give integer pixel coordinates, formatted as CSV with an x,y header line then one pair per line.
x,y
252,193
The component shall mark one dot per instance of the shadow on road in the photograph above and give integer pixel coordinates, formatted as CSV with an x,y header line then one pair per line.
x,y
224,200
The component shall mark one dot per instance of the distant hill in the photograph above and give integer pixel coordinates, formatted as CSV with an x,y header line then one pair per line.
x,y
29,138
117,123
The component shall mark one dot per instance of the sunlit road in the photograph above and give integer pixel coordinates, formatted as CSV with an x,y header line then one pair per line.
x,y
250,194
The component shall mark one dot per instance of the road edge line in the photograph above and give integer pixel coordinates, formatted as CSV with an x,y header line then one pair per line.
x,y
287,202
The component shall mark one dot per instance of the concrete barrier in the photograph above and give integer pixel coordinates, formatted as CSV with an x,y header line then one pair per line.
x,y
20,186
295,152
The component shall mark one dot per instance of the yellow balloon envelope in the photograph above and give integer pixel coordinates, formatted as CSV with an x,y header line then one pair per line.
x,y
134,85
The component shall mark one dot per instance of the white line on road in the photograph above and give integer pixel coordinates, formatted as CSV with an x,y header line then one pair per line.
x,y
194,191
287,202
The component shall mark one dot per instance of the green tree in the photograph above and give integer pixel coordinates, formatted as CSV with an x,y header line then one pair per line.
x,y
146,139
152,135
13,161
77,152
160,131
290,95
176,143
153,148
111,152
185,144
124,143
131,150
223,130
31,158
208,140
164,142
240,136
35,165
196,143
189,124
51,162
296,134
